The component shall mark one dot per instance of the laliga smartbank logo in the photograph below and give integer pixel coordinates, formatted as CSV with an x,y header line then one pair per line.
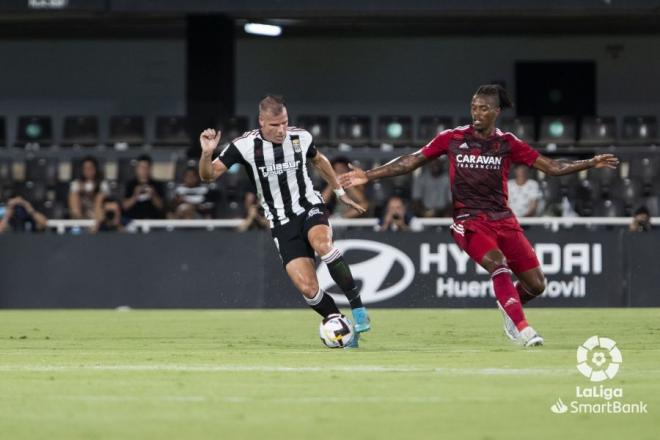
x,y
598,359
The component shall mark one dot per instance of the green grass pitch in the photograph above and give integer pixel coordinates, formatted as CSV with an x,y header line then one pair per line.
x,y
263,374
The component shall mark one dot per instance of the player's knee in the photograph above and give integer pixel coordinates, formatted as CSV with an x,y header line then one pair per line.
x,y
537,286
322,246
492,260
309,289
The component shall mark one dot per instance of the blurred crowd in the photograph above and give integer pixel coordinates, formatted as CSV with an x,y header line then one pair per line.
x,y
395,202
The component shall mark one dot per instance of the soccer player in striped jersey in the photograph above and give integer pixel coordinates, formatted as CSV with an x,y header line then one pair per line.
x,y
480,156
275,157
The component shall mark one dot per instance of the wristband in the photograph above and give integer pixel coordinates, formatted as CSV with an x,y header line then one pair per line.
x,y
339,192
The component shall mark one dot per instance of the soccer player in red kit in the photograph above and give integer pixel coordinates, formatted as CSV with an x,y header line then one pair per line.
x,y
480,156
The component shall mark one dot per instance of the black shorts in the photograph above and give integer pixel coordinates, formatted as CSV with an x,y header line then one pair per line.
x,y
291,238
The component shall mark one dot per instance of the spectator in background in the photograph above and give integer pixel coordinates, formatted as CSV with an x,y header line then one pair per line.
x,y
396,216
20,216
525,198
190,196
144,195
430,192
110,218
254,217
341,210
86,193
641,220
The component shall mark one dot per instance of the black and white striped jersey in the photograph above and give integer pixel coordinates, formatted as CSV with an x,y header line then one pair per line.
x,y
278,171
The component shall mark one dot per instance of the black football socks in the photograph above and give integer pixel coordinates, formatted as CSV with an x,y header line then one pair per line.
x,y
322,303
341,274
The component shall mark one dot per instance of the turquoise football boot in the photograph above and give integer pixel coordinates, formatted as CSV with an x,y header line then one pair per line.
x,y
362,321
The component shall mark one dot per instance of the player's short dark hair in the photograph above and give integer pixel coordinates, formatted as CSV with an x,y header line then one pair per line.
x,y
145,158
642,210
496,90
273,104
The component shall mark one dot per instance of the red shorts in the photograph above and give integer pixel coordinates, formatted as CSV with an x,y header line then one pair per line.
x,y
478,235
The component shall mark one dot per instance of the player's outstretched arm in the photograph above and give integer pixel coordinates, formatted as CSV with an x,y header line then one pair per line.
x,y
209,170
562,167
396,167
323,165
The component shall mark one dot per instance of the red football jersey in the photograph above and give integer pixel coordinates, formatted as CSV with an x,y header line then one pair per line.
x,y
479,168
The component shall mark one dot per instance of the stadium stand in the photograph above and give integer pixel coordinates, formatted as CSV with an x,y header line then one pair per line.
x,y
522,127
559,130
127,130
354,130
596,130
395,130
640,130
44,175
80,130
34,130
171,130
234,127
318,126
429,126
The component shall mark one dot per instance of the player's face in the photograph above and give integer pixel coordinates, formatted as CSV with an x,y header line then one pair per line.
x,y
273,128
485,111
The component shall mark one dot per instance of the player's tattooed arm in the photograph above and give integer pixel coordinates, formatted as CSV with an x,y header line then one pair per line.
x,y
396,167
562,167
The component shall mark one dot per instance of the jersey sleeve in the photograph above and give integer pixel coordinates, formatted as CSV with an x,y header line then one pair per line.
x,y
522,152
230,156
438,146
308,144
312,151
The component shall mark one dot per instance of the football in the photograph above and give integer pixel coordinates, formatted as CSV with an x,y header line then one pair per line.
x,y
336,331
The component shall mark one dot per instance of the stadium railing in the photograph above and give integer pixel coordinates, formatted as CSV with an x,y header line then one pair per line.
x,y
554,223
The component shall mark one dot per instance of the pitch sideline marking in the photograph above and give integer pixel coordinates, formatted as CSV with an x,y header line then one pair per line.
x,y
261,399
283,369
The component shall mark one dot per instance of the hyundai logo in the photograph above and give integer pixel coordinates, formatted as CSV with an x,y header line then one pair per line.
x,y
372,272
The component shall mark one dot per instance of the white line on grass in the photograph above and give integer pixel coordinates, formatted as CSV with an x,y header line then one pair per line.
x,y
280,400
283,369
120,398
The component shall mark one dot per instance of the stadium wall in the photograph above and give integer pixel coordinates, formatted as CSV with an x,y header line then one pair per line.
x,y
223,269
344,75
91,77
435,75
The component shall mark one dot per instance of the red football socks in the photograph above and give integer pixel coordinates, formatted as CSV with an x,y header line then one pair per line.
x,y
508,296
